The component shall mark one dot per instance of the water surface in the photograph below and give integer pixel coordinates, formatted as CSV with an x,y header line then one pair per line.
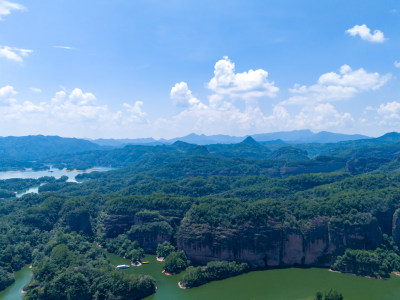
x,y
278,284
29,173
13,292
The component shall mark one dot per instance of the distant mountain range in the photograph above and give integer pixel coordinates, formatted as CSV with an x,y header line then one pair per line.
x,y
38,147
290,137
16,152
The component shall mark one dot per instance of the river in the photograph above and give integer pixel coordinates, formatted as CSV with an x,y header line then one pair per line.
x,y
277,284
13,292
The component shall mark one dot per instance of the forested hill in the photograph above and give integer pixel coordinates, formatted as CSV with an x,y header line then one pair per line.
x,y
39,147
287,157
36,151
314,149
237,202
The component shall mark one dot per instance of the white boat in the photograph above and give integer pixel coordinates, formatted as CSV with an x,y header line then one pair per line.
x,y
122,267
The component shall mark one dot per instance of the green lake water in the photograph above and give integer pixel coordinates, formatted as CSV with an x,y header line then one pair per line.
x,y
13,292
279,284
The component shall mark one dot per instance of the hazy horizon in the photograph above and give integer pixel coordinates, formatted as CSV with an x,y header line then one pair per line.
x,y
201,134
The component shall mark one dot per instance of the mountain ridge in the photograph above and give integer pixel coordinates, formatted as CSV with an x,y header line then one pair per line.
x,y
292,137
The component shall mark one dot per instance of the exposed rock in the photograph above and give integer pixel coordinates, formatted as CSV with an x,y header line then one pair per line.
x,y
112,225
396,227
149,235
275,244
79,220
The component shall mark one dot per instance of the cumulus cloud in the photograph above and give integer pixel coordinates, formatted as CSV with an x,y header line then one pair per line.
x,y
7,91
75,113
397,64
79,113
15,54
7,7
322,116
336,86
81,98
219,111
182,96
390,111
365,33
222,114
247,85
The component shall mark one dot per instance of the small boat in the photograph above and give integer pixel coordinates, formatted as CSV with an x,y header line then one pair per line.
x,y
145,262
122,267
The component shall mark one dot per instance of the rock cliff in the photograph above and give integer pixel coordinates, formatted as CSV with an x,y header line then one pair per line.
x,y
277,244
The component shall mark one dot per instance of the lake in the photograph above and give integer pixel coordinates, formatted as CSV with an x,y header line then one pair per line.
x,y
28,173
277,284
51,172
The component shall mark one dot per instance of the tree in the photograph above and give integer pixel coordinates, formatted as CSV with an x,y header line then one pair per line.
x,y
330,295
164,249
175,262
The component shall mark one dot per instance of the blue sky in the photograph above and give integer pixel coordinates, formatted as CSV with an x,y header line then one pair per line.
x,y
128,69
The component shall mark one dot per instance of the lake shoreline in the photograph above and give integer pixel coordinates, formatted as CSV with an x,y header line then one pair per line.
x,y
369,277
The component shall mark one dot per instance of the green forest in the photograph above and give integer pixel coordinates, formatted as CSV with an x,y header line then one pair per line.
x,y
215,210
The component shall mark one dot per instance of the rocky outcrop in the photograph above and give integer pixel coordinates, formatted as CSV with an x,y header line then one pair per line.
x,y
146,227
79,220
259,245
111,225
149,235
277,244
396,227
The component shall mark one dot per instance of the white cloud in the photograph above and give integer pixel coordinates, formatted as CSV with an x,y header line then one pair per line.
x,y
6,8
221,115
7,91
79,113
64,47
247,85
182,96
397,64
35,90
390,110
337,86
74,113
81,98
322,116
365,33
220,112
15,54
136,113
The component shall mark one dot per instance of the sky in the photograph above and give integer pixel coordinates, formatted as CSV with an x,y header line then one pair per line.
x,y
163,69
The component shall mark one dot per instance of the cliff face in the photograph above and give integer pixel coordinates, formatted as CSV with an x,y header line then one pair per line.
x,y
396,227
276,244
147,230
149,235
